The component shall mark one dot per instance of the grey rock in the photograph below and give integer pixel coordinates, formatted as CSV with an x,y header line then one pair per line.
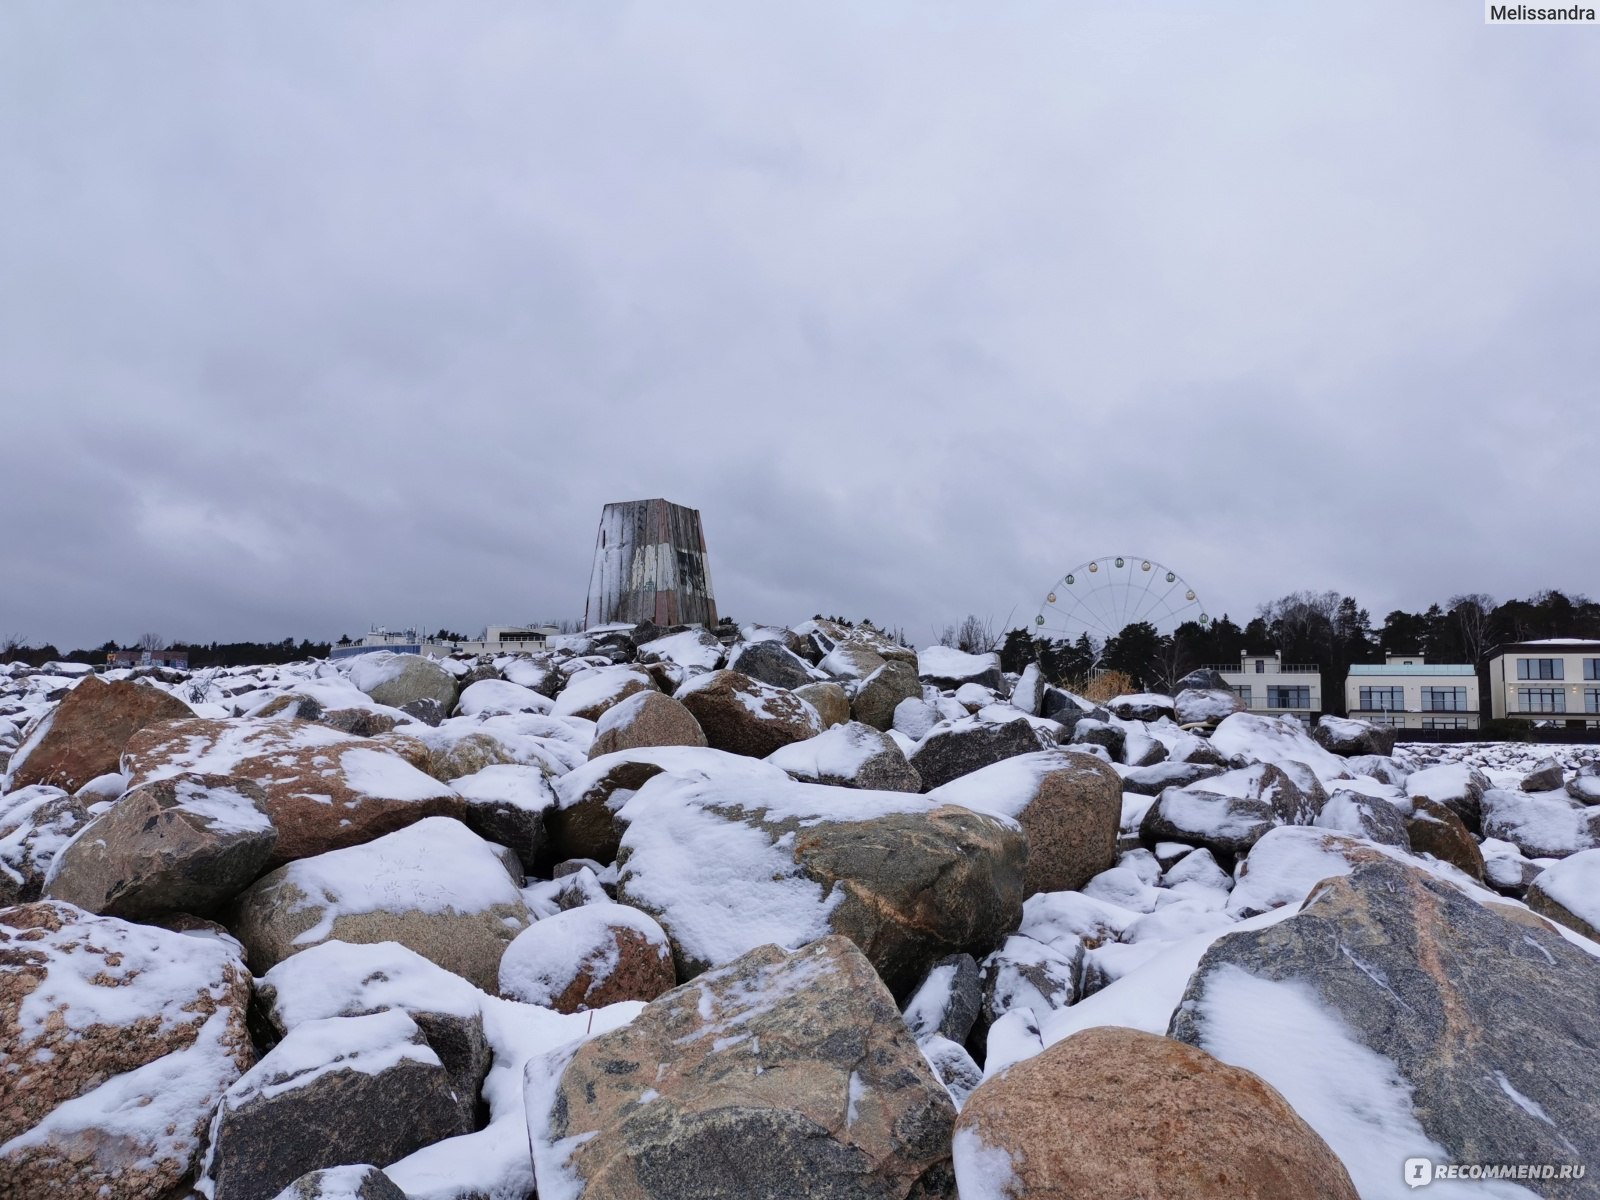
x,y
427,710
1347,737
948,1000
1490,1023
771,662
947,754
1202,679
1093,732
411,678
1025,973
366,1088
1545,777
852,755
955,1068
362,1182
1564,893
1205,706
1365,816
1584,786
1153,780
36,822
1141,708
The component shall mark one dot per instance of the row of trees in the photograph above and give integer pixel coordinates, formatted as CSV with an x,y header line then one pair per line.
x,y
201,654
1330,630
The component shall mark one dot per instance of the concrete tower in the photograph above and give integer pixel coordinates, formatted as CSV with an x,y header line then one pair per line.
x,y
650,565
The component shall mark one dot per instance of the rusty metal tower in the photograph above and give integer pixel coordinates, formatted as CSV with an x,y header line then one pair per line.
x,y
650,564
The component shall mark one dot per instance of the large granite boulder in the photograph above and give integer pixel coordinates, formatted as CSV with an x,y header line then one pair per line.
x,y
849,755
830,700
323,789
360,1182
1142,1117
84,736
506,804
947,667
367,1088
1401,1017
1432,828
1457,786
588,957
36,822
591,692
881,691
345,979
963,747
435,887
1569,892
1228,813
116,1041
775,1076
1349,737
1206,706
396,680
646,719
188,843
1067,802
771,663
725,867
743,716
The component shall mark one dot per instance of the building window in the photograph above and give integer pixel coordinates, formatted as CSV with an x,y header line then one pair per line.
x,y
1551,700
1539,668
1444,699
1591,668
1261,666
1383,699
1591,700
1288,697
1243,692
1384,720
1445,723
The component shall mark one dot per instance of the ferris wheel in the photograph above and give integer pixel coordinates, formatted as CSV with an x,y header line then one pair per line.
x,y
1103,596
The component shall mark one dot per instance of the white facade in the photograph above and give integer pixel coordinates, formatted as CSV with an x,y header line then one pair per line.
x,y
1556,680
1269,686
1407,692
498,639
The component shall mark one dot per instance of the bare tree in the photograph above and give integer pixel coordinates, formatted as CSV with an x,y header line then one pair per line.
x,y
152,642
10,644
1471,612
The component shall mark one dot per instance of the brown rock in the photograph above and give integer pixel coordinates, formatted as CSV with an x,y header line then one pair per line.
x,y
830,700
590,693
1144,1118
189,842
85,735
778,1075
1435,829
646,719
1068,803
880,693
582,824
180,1017
588,957
743,716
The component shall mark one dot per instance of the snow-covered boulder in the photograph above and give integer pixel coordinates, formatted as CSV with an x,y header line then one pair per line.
x,y
743,716
1287,863
116,1042
1068,804
1126,1107
1146,706
1457,786
881,692
84,735
1228,813
1279,740
593,690
398,680
1584,786
344,979
1546,776
1569,892
645,719
947,667
506,804
850,755
834,1097
367,1088
434,886
1364,816
1153,780
489,696
188,843
772,663
947,1001
35,823
830,700
725,867
1541,826
692,649
588,957
1432,828
1205,706
361,1182
961,747
1349,737
1400,1017
1025,973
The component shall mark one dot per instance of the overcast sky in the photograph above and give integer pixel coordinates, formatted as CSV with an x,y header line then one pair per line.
x,y
316,316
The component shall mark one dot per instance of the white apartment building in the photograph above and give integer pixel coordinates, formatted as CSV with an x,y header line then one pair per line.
x,y
1272,687
1556,680
1407,692
497,639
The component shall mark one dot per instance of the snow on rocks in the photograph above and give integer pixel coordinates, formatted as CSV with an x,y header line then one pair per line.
x,y
850,755
960,747
948,1000
506,804
1434,829
487,697
772,663
593,690
744,716
725,867
1142,1116
434,886
694,649
1569,892
588,957
1457,786
1068,804
646,719
84,735
1146,706
399,680
1278,740
1401,1018
830,700
947,667
1205,706
834,1097
362,1182
878,695
368,1088
1349,737
1546,825
35,823
190,843
116,1040
1377,820
1230,812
